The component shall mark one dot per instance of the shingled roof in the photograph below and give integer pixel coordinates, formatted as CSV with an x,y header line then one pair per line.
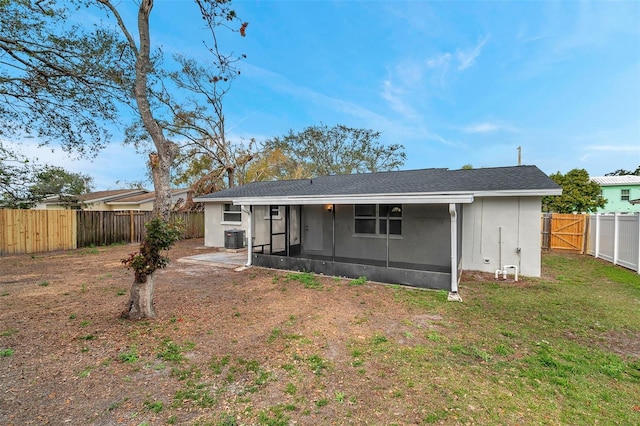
x,y
528,180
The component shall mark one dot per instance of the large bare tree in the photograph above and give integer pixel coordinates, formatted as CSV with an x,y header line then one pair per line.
x,y
62,82
156,126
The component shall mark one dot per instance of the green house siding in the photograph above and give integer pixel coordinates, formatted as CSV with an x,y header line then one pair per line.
x,y
615,203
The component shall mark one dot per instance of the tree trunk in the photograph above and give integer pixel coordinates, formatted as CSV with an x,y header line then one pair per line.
x,y
140,304
165,149
160,164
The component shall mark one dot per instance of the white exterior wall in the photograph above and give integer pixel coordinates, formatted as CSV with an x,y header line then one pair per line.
x,y
214,227
519,218
144,207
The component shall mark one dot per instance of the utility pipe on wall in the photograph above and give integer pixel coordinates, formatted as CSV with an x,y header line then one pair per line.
x,y
249,235
500,248
504,269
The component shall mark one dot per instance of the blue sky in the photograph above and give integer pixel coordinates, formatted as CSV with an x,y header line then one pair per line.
x,y
455,82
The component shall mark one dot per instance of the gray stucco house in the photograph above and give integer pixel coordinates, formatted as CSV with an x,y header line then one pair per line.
x,y
416,227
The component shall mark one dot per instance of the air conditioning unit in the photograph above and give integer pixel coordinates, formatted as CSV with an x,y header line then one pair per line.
x,y
234,238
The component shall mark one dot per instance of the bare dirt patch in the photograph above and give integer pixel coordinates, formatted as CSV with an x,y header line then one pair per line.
x,y
248,345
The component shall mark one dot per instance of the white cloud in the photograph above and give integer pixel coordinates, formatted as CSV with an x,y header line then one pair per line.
x,y
466,58
281,84
438,66
481,128
488,127
395,96
436,137
616,148
115,162
440,61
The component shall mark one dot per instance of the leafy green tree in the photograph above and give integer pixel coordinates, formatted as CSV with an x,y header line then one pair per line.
x,y
58,81
579,194
24,183
52,180
56,84
273,164
161,235
323,150
622,172
16,177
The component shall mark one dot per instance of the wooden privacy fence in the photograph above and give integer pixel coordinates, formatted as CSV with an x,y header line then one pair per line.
x,y
564,232
33,231
103,228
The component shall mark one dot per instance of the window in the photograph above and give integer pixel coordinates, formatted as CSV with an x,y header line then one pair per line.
x,y
365,218
273,212
624,194
394,213
372,219
231,213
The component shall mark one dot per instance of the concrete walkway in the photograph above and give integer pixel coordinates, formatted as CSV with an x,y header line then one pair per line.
x,y
222,259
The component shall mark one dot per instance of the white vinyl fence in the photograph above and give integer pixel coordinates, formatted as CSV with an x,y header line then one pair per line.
x,y
615,238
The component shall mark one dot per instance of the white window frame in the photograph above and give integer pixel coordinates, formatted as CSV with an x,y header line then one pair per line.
x,y
625,194
230,211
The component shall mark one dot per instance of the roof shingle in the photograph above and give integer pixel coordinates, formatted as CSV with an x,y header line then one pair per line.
x,y
423,181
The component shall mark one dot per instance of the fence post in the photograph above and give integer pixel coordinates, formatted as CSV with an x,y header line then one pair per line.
x,y
596,252
131,227
638,264
585,233
616,236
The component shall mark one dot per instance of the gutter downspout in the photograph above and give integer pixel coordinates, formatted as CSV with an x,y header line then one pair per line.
x,y
333,232
453,294
387,228
249,235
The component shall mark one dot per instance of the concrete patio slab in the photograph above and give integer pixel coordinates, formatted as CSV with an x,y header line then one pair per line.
x,y
222,259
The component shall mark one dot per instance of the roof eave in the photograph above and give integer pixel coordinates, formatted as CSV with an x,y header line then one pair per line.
x,y
519,193
357,199
145,200
408,198
111,198
115,203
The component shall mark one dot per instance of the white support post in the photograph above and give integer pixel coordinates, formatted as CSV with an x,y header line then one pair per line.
x,y
638,262
616,236
249,235
596,251
453,294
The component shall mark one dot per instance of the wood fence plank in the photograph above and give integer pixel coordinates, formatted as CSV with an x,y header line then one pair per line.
x,y
567,232
32,231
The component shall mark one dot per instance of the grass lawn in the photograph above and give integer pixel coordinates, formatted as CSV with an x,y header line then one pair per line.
x,y
265,347
560,350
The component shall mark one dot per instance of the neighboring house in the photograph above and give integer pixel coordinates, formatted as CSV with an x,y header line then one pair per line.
x,y
415,227
619,191
119,199
145,202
